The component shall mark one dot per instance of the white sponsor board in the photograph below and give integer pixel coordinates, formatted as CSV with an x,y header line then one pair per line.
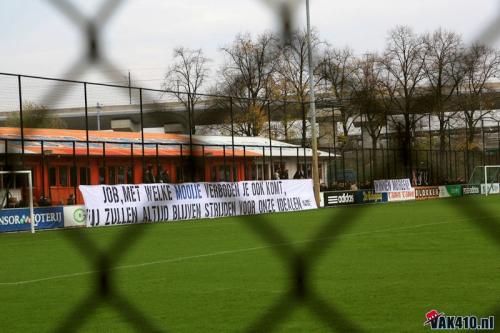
x,y
74,216
392,185
493,188
401,196
127,204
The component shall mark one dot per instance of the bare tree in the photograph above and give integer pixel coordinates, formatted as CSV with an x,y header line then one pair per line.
x,y
247,76
34,116
185,77
404,61
337,69
286,106
443,74
481,64
368,98
293,68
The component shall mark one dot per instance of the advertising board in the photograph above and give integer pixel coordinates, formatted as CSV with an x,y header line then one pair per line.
x,y
17,219
369,196
493,188
471,189
426,192
448,191
74,216
401,196
337,198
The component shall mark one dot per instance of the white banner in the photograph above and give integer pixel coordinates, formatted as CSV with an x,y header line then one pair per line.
x,y
392,185
128,204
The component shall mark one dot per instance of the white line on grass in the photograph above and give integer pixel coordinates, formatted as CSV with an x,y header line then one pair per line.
x,y
179,259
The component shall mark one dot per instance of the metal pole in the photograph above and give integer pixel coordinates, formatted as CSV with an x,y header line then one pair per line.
x,y
6,157
142,134
224,161
87,125
263,163
131,165
334,124
104,160
21,118
75,172
387,142
449,148
271,166
232,137
42,168
204,163
362,150
498,134
98,114
129,89
329,181
32,213
158,166
466,150
312,110
191,156
245,163
484,148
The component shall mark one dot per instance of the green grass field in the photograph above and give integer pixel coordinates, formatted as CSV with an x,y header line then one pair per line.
x,y
390,265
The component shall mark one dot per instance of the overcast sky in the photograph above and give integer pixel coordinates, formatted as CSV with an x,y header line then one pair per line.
x,y
37,39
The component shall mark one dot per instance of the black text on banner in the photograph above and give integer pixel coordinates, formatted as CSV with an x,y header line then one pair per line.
x,y
129,204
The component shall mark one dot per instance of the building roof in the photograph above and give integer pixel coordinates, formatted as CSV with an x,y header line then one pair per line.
x,y
60,142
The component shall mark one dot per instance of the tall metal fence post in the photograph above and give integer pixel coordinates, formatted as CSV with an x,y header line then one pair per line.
x,y
87,126
362,150
271,166
387,142
75,175
232,138
21,122
466,149
224,161
334,130
204,177
131,165
142,134
192,126
245,176
498,139
42,169
484,142
181,167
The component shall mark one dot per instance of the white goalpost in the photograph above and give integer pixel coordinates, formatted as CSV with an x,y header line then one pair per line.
x,y
487,176
30,191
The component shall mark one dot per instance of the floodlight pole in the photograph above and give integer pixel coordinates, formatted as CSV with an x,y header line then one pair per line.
x,y
312,110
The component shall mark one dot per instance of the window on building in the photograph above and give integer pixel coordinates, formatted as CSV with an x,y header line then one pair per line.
x,y
111,176
72,176
102,175
84,176
130,175
178,173
120,175
63,176
52,176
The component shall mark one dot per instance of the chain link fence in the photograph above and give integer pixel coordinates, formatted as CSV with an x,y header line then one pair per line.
x,y
85,107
